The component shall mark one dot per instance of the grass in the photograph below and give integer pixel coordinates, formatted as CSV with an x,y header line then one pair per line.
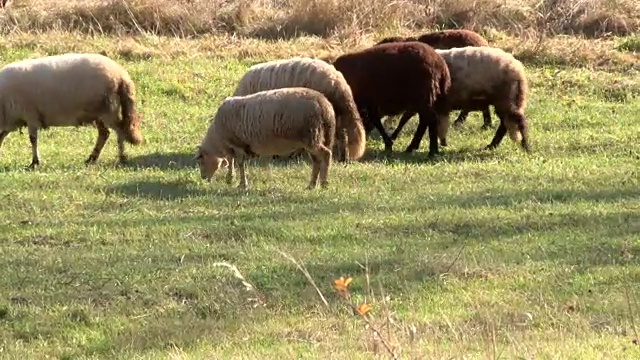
x,y
478,255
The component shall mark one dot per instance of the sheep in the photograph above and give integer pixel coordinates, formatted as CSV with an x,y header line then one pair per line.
x,y
69,90
270,122
482,76
392,39
318,75
448,39
399,77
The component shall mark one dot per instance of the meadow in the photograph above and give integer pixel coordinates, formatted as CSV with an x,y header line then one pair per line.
x,y
477,254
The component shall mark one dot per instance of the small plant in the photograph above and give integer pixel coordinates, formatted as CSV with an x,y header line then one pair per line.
x,y
630,44
362,309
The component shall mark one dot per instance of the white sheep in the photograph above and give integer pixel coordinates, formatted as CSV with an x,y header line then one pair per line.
x,y
483,76
271,122
69,90
318,75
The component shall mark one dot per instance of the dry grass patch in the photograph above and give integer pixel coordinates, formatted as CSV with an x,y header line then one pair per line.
x,y
286,19
605,54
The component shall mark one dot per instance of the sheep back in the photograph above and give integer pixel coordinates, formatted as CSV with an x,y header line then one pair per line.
x,y
448,39
393,39
271,122
314,74
396,77
68,90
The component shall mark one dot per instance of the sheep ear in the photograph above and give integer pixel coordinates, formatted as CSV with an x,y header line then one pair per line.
x,y
199,153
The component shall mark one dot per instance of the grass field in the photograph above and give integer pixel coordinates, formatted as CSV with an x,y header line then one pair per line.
x,y
477,255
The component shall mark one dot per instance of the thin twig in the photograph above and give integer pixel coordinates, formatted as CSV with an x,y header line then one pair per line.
x,y
376,332
306,274
457,257
631,316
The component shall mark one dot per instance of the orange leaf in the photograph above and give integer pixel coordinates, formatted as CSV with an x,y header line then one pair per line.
x,y
363,309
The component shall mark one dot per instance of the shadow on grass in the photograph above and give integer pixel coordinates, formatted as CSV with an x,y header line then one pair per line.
x,y
409,256
420,156
158,190
173,190
163,161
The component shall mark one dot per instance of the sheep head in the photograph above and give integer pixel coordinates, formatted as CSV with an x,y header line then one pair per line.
x,y
209,163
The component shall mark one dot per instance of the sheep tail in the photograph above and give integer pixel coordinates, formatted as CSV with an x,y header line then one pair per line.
x,y
130,121
519,95
442,107
356,138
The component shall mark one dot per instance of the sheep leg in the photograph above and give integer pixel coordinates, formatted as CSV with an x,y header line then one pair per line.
x,y
35,157
486,117
315,170
497,138
427,119
103,136
521,120
229,178
325,164
3,134
462,117
403,121
374,118
343,148
122,156
244,183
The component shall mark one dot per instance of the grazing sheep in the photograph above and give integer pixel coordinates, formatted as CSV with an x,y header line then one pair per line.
x,y
271,122
448,39
399,77
69,90
482,76
318,75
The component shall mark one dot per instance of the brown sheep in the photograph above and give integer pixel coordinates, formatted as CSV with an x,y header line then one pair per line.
x,y
399,77
448,39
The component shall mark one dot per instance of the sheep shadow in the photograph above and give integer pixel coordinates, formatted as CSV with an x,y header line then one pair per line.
x,y
162,161
158,190
420,156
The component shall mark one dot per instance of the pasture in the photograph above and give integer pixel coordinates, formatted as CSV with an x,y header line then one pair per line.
x,y
479,254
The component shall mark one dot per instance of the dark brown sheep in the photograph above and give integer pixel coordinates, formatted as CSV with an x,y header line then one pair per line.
x,y
396,39
399,77
446,39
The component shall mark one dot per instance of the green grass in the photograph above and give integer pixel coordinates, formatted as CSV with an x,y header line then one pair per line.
x,y
484,253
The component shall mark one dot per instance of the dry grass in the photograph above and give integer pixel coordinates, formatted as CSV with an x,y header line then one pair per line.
x,y
536,33
287,18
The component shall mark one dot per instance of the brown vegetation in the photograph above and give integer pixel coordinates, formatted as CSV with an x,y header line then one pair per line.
x,y
534,31
283,19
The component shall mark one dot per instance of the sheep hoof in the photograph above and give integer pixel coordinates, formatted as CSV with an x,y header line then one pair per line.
x,y
486,127
457,123
90,161
123,160
490,147
243,186
34,165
